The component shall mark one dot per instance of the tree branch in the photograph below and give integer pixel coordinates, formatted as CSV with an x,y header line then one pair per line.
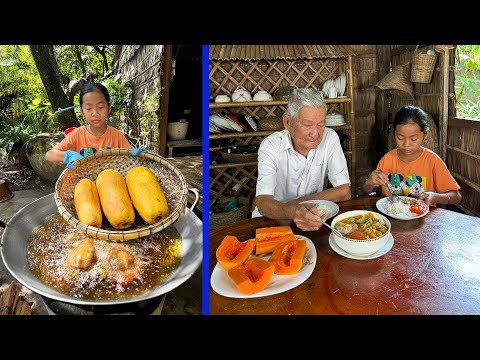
x,y
75,85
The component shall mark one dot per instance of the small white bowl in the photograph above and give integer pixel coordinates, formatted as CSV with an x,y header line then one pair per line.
x,y
241,95
330,208
361,247
262,95
222,99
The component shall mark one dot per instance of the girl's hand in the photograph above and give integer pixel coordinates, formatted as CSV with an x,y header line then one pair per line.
x,y
71,156
428,198
378,178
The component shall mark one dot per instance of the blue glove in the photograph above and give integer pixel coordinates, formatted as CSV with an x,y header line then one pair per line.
x,y
71,156
137,151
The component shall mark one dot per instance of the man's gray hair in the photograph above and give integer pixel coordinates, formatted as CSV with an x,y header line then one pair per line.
x,y
303,97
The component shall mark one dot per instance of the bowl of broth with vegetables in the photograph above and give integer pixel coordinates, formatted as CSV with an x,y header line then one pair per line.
x,y
363,232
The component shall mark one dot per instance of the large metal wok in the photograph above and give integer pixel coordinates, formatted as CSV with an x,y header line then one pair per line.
x,y
19,228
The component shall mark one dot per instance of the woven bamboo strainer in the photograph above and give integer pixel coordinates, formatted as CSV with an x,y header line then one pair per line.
x,y
171,180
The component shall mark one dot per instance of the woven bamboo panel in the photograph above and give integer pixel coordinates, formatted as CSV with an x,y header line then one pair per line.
x,y
227,75
427,96
224,178
464,158
269,68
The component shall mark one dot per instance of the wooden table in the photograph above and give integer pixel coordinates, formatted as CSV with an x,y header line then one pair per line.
x,y
433,268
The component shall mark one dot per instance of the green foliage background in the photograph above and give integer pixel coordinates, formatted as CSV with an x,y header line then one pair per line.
x,y
467,81
29,112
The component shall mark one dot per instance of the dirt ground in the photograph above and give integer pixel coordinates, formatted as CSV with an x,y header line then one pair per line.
x,y
21,177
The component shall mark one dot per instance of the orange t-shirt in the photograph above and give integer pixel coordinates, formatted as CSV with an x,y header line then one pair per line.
x,y
81,141
426,173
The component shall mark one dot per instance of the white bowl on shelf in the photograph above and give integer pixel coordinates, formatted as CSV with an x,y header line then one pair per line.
x,y
334,120
262,95
241,95
222,99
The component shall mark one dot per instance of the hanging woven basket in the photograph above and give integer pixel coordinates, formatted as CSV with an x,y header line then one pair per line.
x,y
423,66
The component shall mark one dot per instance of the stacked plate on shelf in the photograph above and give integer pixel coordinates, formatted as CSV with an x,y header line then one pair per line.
x,y
219,122
334,120
339,83
326,87
231,122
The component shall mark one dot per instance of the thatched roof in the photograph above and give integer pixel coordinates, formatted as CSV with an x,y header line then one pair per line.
x,y
275,52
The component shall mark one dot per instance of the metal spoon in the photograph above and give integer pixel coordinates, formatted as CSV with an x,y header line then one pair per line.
x,y
331,228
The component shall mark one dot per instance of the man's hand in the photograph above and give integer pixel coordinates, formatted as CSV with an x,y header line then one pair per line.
x,y
71,156
306,217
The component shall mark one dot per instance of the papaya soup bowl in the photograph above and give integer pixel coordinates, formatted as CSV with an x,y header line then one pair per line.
x,y
361,247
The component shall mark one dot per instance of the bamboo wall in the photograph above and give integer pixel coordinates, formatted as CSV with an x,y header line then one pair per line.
x,y
364,78
140,67
427,96
462,146
463,159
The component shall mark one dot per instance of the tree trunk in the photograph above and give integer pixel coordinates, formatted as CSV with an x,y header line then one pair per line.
x,y
49,73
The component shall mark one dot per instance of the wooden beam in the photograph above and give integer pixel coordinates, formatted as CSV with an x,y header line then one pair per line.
x,y
164,98
467,210
381,103
453,148
444,101
443,121
351,117
463,179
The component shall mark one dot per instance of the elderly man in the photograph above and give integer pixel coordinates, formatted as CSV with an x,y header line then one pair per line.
x,y
295,164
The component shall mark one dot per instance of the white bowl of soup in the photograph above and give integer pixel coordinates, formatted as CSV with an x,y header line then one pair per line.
x,y
363,232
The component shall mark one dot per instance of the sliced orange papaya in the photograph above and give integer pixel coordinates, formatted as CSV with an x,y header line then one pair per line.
x,y
252,276
233,252
288,257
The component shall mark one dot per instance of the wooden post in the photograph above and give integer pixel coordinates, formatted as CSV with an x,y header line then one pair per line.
x,y
351,95
164,98
443,121
381,103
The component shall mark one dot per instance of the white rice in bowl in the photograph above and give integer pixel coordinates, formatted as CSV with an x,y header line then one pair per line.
x,y
322,209
399,209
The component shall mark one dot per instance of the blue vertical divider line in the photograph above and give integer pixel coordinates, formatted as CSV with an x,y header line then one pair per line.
x,y
205,181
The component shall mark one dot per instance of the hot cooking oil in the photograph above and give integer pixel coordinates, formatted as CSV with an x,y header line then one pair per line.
x,y
154,259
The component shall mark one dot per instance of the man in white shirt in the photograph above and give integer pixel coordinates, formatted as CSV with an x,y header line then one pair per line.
x,y
295,164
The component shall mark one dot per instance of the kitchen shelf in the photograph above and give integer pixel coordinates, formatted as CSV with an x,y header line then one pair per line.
x,y
268,103
227,176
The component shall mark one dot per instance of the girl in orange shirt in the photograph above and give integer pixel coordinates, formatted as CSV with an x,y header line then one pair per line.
x,y
97,135
412,169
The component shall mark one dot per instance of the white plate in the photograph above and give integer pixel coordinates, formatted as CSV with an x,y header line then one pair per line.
x,y
386,248
224,122
381,206
325,89
338,84
223,285
343,83
251,122
331,206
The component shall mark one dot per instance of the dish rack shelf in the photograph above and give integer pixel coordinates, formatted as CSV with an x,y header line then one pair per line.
x,y
268,103
240,178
